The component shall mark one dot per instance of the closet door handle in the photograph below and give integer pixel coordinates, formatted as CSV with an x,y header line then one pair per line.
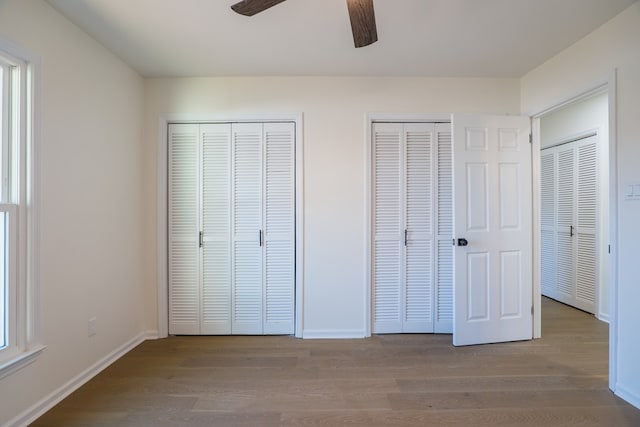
x,y
405,236
571,231
200,239
260,237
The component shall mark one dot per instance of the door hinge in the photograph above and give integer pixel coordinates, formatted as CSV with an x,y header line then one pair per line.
x,y
532,310
530,138
200,239
609,249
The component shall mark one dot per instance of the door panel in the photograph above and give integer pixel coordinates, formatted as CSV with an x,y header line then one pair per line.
x,y
492,199
279,228
388,227
216,226
586,214
184,277
418,283
443,317
247,295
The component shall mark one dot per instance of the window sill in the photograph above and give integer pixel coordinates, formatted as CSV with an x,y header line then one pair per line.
x,y
20,361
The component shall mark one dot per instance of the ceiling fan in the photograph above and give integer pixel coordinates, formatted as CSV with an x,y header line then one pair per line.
x,y
363,20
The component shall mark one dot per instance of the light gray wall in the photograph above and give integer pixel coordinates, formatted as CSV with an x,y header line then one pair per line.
x,y
99,180
91,202
334,164
614,47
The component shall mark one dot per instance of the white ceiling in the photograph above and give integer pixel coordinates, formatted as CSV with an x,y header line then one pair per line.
x,y
450,38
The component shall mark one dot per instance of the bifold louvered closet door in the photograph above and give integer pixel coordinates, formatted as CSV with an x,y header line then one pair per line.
x,y
412,267
231,228
568,220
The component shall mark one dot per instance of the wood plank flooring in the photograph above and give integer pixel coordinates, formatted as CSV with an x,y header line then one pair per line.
x,y
387,380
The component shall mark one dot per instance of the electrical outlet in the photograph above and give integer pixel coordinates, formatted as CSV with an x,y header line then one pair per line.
x,y
92,326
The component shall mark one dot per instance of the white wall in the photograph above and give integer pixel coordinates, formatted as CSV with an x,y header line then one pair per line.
x,y
614,46
91,202
334,164
569,122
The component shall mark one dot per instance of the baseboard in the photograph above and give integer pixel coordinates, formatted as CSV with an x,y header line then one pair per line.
x,y
48,402
603,317
333,334
152,335
627,395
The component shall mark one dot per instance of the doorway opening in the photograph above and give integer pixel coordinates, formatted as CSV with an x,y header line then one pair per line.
x,y
581,269
574,194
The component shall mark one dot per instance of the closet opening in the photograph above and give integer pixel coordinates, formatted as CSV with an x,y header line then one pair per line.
x,y
230,225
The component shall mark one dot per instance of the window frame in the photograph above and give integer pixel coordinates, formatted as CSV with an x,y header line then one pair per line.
x,y
20,97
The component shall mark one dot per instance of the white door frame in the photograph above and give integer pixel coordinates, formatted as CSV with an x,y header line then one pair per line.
x,y
605,84
162,251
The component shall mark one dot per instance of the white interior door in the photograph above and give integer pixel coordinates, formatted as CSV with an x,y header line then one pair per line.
x,y
492,204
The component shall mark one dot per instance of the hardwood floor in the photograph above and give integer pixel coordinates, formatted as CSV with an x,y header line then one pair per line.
x,y
387,380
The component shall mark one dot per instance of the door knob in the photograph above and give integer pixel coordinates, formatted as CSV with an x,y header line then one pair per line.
x,y
463,242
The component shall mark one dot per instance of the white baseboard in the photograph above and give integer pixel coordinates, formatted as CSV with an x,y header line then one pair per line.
x,y
333,334
603,317
48,402
626,394
151,335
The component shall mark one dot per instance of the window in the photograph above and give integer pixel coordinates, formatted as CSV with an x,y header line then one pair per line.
x,y
17,284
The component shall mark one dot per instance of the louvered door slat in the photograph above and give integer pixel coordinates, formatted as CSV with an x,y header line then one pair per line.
x,y
216,228
443,322
184,292
387,227
279,223
418,284
247,292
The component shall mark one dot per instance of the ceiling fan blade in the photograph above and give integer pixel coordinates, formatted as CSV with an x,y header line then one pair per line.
x,y
363,22
251,7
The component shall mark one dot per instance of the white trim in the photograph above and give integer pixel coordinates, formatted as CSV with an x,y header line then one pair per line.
x,y
162,284
299,225
23,359
329,334
39,408
603,317
606,84
409,117
613,232
625,393
598,86
368,170
29,323
575,137
151,335
162,246
536,227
